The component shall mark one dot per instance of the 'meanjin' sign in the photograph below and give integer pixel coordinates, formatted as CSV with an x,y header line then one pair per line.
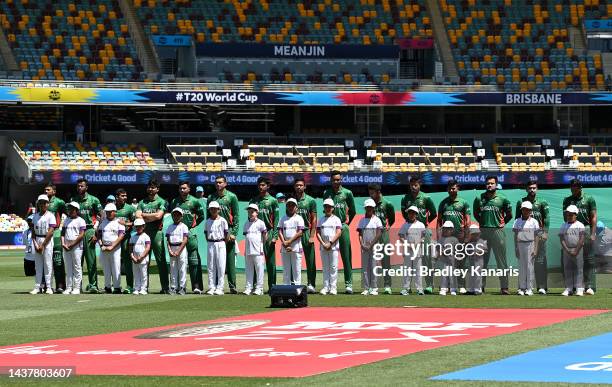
x,y
290,343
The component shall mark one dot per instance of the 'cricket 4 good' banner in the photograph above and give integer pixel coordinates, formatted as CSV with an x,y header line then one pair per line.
x,y
289,343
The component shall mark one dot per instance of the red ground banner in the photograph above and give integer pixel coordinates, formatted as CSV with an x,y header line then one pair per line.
x,y
287,343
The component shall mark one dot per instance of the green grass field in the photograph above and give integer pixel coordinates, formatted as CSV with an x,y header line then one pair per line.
x,y
25,318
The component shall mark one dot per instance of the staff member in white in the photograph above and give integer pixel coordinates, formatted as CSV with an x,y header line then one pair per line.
x,y
525,230
177,235
216,230
370,230
572,243
140,246
478,246
413,232
110,234
42,244
329,229
255,234
290,229
73,232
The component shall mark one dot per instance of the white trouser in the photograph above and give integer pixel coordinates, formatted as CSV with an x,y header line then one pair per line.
x,y
74,272
329,258
474,282
178,269
526,271
573,268
216,265
254,265
140,275
448,281
43,263
368,279
292,267
414,265
111,262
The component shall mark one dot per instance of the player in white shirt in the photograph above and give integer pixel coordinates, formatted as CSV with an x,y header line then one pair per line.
x,y
255,234
216,230
413,233
177,235
28,258
329,230
140,247
572,239
526,230
290,229
73,231
447,258
110,233
370,230
42,244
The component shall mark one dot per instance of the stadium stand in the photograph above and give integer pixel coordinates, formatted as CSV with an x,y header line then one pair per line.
x,y
12,223
413,158
529,157
590,157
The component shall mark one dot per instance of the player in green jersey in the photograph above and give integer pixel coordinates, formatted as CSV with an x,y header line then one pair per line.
x,y
540,212
307,209
229,210
384,211
493,211
427,213
587,215
152,209
90,209
269,214
193,215
126,213
345,210
57,207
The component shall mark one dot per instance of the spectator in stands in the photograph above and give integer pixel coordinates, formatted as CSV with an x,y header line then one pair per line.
x,y
609,83
79,130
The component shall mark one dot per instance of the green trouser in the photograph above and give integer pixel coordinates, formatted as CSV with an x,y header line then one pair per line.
x,y
126,261
345,253
230,264
193,263
59,271
386,261
427,261
270,255
541,267
309,256
157,245
89,256
590,264
496,241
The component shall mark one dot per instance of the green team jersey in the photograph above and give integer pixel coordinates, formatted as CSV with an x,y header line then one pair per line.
x,y
492,212
385,212
268,213
57,206
585,203
454,210
193,212
148,206
306,206
229,209
126,213
426,206
539,212
90,207
344,203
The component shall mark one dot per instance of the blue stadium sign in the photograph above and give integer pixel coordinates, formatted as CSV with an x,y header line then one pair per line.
x,y
314,51
172,40
598,25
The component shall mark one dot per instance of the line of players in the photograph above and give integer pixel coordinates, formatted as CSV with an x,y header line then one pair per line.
x,y
89,224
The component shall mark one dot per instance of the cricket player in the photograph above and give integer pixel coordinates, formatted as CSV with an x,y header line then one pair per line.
x,y
457,210
448,241
152,210
217,235
72,234
427,213
29,268
540,212
572,236
478,246
345,210
255,234
228,210
329,230
125,216
140,247
587,215
193,215
386,213
307,209
413,233
90,209
42,244
493,211
177,236
110,234
58,208
370,230
526,230
290,230
268,212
